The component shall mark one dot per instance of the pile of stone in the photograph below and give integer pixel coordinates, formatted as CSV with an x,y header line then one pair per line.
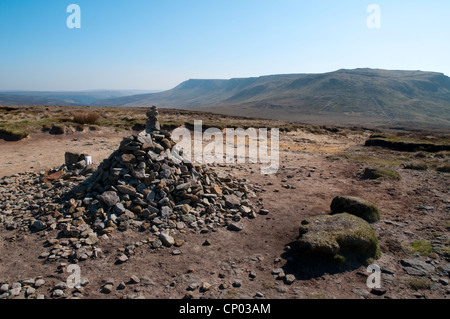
x,y
140,185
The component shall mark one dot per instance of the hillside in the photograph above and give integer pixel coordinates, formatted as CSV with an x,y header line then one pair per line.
x,y
69,98
366,96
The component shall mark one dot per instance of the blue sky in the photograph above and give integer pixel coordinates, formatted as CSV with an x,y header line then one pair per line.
x,y
145,44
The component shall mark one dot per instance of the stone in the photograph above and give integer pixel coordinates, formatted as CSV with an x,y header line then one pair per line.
x,y
289,279
206,286
166,239
71,158
122,258
176,252
14,292
128,158
216,189
338,235
361,292
91,240
119,209
445,269
356,206
232,201
58,293
110,198
108,288
38,225
135,279
416,267
127,189
4,288
57,130
235,226
166,212
188,219
61,285
237,283
30,291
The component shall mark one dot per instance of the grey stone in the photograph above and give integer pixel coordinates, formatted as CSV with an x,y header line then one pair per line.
x,y
188,219
157,243
289,279
30,291
91,239
58,293
84,282
28,282
135,279
341,234
122,258
445,269
39,283
16,285
14,292
166,212
60,285
416,267
110,198
108,288
38,225
4,288
147,281
119,209
127,189
361,292
387,270
166,239
232,201
235,226
277,271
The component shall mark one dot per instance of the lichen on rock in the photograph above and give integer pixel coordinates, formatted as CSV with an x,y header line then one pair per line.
x,y
338,236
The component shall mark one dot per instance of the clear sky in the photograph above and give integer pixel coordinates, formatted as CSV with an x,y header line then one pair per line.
x,y
149,44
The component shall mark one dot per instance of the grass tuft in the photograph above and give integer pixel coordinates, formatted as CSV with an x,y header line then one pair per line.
x,y
86,117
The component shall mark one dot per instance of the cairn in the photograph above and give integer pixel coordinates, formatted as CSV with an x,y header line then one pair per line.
x,y
152,120
140,186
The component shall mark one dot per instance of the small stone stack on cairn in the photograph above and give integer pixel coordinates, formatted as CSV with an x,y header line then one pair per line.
x,y
139,185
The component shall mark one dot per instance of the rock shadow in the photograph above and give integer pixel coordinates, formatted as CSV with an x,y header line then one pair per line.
x,y
307,266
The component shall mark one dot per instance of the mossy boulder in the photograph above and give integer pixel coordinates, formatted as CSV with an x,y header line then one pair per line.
x,y
359,207
380,173
339,236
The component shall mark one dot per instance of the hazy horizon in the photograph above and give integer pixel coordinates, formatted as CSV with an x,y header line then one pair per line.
x,y
156,90
154,46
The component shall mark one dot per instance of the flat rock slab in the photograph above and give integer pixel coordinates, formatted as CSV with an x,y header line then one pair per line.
x,y
416,267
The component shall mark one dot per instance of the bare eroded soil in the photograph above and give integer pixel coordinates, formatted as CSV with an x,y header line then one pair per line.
x,y
312,173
